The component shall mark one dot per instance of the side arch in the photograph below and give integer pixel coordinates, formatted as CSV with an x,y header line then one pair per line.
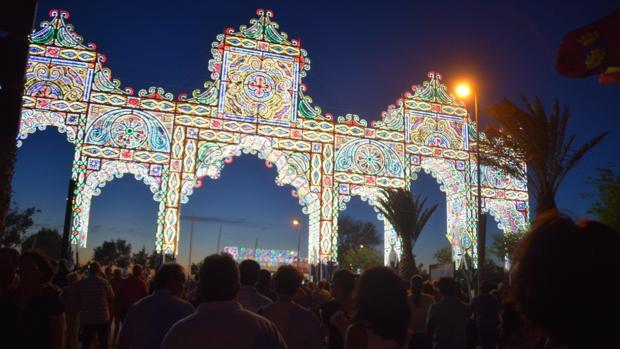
x,y
90,185
452,177
38,120
392,247
292,167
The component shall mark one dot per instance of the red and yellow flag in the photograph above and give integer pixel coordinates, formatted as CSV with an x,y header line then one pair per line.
x,y
592,49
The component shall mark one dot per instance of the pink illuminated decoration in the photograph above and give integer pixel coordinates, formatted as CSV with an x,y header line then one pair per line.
x,y
256,103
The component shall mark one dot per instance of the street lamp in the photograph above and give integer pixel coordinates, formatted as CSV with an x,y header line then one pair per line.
x,y
463,91
297,226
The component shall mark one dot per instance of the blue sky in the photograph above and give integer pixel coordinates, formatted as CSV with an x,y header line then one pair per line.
x,y
364,56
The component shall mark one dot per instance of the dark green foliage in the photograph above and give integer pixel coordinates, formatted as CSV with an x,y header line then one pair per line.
x,y
45,240
406,213
534,137
114,252
607,204
352,234
17,223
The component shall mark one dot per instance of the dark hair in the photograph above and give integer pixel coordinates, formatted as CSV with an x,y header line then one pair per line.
x,y
447,286
287,280
250,270
63,266
416,284
323,284
553,254
381,302
137,269
346,279
429,288
94,268
43,264
11,253
264,280
219,278
486,287
169,274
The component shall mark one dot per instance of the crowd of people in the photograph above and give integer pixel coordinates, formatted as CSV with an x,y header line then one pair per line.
x,y
230,305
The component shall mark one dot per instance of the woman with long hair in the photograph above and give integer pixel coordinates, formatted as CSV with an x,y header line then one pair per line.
x,y
382,312
419,302
41,313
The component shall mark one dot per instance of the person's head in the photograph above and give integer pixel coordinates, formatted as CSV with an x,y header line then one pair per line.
x,y
94,269
264,280
555,253
73,278
448,287
35,269
428,288
137,270
323,284
343,283
486,287
219,278
108,272
117,273
250,270
63,266
416,283
170,277
287,281
381,301
9,257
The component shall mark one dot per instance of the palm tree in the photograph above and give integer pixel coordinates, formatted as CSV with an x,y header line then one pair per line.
x,y
531,136
406,213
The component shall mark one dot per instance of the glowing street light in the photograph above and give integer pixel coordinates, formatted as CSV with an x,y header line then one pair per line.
x,y
296,224
463,91
362,246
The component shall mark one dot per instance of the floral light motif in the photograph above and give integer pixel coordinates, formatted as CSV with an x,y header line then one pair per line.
x,y
256,103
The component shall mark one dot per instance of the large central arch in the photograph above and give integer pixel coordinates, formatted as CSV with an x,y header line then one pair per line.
x,y
256,103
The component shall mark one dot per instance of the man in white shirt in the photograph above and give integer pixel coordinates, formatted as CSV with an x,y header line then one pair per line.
x,y
297,324
248,296
220,322
150,318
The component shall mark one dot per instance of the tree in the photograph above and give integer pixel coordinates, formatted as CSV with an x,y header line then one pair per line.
x,y
538,139
45,240
406,213
444,255
504,246
352,234
361,258
607,204
17,223
140,257
113,252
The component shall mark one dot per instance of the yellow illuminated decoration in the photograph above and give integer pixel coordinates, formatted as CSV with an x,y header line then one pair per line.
x,y
256,103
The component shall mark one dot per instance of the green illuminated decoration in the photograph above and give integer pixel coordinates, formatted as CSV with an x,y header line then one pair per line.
x,y
256,103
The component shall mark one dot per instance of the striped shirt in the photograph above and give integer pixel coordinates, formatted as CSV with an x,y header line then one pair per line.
x,y
95,297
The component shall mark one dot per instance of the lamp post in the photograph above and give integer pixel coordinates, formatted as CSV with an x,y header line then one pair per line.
x,y
297,226
464,91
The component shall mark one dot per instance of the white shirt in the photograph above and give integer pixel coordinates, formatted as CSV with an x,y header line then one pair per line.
x,y
297,325
223,325
417,324
250,299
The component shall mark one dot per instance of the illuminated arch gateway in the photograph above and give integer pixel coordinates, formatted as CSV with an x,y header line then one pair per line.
x,y
256,103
